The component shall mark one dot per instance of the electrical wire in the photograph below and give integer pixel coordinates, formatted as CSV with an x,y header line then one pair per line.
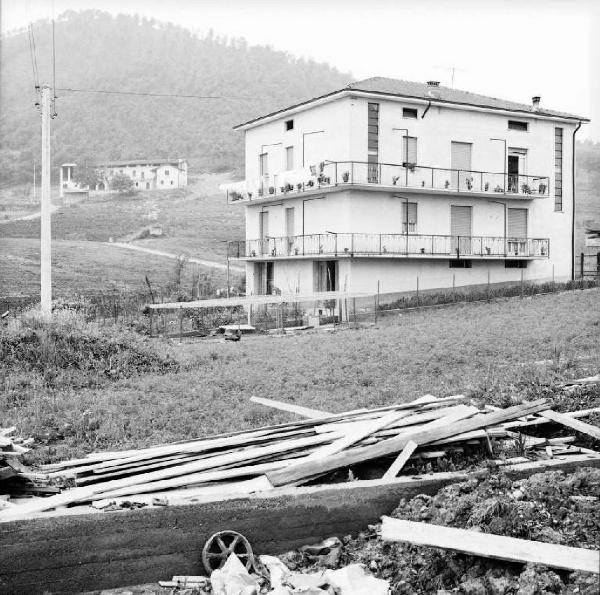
x,y
141,94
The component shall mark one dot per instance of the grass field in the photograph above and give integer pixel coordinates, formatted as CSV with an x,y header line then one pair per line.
x,y
196,221
488,350
88,267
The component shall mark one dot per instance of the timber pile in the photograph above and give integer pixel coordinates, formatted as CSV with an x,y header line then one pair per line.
x,y
297,453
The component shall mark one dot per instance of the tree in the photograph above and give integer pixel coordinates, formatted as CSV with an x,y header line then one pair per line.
x,y
122,183
87,177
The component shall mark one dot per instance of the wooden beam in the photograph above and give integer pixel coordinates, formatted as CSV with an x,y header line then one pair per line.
x,y
394,445
298,409
487,545
401,460
565,420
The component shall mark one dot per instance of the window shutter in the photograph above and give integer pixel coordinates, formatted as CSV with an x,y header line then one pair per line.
x,y
517,223
461,156
412,149
460,221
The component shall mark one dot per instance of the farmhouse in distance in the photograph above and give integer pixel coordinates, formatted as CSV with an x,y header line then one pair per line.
x,y
387,183
146,174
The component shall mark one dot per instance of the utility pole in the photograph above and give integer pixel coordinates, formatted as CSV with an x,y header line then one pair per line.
x,y
45,244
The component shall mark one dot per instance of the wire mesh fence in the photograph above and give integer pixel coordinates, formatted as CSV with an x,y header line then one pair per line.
x,y
130,308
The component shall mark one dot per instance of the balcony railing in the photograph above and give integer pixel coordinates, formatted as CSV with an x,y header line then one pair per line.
x,y
342,173
370,244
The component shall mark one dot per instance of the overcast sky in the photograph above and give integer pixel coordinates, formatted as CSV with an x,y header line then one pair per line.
x,y
512,49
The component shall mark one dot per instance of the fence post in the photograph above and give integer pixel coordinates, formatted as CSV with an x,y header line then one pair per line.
x,y
553,282
417,291
180,324
354,309
454,287
281,314
521,283
376,302
488,285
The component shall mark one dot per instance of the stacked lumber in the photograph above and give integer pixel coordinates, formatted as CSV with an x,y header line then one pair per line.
x,y
295,453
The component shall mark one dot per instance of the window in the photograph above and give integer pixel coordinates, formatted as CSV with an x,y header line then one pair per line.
x,y
143,175
263,162
289,158
373,143
517,125
166,172
515,264
409,112
409,151
133,173
409,211
460,264
289,124
162,181
326,275
558,169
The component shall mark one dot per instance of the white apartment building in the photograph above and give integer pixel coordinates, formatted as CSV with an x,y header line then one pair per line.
x,y
146,174
386,181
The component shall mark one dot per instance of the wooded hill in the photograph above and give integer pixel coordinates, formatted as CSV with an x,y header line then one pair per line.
x,y
97,51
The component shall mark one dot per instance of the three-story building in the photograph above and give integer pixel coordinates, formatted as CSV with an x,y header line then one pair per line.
x,y
386,181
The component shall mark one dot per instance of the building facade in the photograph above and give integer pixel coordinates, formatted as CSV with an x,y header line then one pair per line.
x,y
154,174
391,184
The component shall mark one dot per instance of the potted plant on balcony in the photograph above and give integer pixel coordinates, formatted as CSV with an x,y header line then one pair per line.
x,y
395,179
525,189
299,186
310,183
498,188
346,176
469,182
249,195
271,189
486,187
542,188
288,188
447,184
235,195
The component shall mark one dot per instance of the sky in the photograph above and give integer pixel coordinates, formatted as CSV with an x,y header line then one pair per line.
x,y
513,49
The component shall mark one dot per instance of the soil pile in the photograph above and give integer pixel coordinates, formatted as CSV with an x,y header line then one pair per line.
x,y
552,507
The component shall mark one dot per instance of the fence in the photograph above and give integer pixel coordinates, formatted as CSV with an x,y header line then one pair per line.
x,y
130,308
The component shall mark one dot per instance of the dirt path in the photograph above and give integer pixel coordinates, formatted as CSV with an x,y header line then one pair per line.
x,y
207,263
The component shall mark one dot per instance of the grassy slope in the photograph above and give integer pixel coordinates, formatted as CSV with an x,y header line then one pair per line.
x,y
473,347
195,221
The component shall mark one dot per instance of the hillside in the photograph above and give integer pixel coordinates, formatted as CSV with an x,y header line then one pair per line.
x,y
97,51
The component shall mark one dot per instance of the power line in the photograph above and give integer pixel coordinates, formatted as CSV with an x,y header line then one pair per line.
x,y
140,94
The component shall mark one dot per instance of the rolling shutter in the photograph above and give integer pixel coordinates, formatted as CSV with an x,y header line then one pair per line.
x,y
461,156
460,221
517,223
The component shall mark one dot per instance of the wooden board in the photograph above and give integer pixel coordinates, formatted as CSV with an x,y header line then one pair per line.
x,y
401,460
491,546
291,408
393,445
565,420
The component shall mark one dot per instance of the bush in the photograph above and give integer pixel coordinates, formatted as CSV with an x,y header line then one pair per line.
x,y
68,351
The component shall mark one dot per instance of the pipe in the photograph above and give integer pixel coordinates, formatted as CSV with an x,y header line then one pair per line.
x,y
426,110
573,199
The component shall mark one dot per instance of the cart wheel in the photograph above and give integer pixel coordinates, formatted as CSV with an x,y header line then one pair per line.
x,y
221,545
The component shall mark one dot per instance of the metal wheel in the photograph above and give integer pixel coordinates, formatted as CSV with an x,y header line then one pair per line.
x,y
221,545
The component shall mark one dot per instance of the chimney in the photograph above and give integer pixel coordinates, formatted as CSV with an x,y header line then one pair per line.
x,y
535,103
433,89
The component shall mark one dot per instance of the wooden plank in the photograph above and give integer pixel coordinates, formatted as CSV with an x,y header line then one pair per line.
x,y
356,436
575,424
87,492
394,445
291,408
487,545
541,420
401,460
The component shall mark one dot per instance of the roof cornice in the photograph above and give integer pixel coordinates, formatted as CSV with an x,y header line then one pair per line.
x,y
353,92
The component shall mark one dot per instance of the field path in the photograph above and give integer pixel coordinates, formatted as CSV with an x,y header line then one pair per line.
x,y
29,217
207,263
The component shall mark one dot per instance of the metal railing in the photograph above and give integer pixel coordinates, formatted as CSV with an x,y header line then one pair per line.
x,y
406,175
370,244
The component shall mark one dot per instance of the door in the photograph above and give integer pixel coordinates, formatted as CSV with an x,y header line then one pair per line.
x,y
460,163
516,231
460,229
290,227
515,168
263,170
263,232
326,275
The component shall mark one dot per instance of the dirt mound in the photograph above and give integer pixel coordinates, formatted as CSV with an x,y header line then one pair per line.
x,y
552,507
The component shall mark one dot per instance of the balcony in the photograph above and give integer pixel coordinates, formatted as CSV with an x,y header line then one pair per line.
x,y
389,176
389,245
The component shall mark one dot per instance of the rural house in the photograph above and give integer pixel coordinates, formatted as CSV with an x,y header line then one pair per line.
x,y
147,174
398,183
